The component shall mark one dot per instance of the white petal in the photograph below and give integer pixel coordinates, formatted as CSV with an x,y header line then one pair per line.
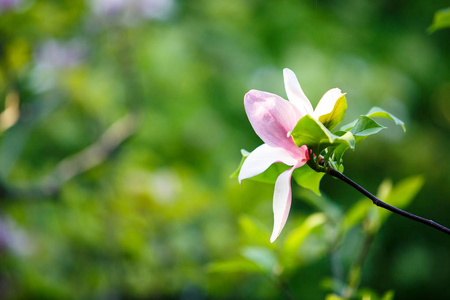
x,y
326,104
295,93
261,158
282,198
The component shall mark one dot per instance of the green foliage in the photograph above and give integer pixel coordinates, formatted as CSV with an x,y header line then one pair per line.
x,y
316,136
441,20
150,207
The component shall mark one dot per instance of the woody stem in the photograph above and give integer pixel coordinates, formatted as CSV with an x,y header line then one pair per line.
x,y
332,172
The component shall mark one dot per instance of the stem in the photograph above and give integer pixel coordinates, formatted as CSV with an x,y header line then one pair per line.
x,y
332,172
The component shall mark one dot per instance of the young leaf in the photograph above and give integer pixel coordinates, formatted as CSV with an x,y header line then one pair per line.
x,y
308,178
380,113
376,112
332,119
441,20
364,127
316,136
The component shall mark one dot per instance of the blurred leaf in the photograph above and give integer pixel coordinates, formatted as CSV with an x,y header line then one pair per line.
x,y
323,203
316,136
402,194
441,20
389,295
333,297
298,235
263,257
233,266
356,214
255,231
332,119
308,178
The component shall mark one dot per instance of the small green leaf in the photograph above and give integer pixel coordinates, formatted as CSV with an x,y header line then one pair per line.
x,y
332,119
376,112
316,136
380,113
441,20
366,126
308,178
340,149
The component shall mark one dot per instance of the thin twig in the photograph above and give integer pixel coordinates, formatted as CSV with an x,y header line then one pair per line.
x,y
332,172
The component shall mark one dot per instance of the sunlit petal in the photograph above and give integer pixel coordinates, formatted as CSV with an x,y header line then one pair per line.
x,y
261,158
282,199
326,104
295,93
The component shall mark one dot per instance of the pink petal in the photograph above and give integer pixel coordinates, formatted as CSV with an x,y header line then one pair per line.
x,y
261,158
282,198
326,104
271,117
295,93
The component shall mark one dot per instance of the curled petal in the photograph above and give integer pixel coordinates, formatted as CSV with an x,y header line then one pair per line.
x,y
261,158
271,117
295,93
326,104
282,199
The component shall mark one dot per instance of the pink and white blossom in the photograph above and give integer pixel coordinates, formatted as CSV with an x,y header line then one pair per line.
x,y
273,118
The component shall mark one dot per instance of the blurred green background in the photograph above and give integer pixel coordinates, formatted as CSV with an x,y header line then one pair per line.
x,y
123,120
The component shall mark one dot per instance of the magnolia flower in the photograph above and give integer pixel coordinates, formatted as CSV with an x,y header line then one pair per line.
x,y
273,118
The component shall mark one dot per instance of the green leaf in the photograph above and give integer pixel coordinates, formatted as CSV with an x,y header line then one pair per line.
x,y
298,235
308,178
332,119
376,112
268,176
441,20
316,136
364,127
340,149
